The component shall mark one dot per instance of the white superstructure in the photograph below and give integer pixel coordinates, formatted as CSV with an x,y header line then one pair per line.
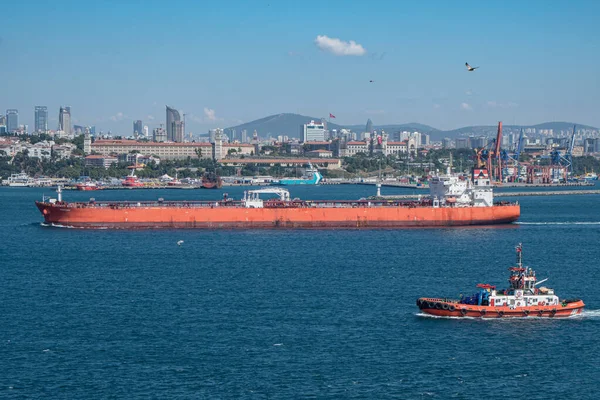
x,y
459,191
19,180
252,197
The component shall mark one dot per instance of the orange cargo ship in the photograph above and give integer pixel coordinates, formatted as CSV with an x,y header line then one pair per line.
x,y
453,202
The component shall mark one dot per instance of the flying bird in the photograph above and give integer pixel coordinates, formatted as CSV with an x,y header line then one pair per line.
x,y
179,243
371,81
469,68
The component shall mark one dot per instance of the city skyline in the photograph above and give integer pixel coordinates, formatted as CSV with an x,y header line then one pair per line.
x,y
414,55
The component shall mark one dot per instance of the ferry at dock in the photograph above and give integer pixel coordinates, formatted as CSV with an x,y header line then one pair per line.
x,y
521,299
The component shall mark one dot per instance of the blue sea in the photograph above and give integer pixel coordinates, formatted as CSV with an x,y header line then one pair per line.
x,y
280,314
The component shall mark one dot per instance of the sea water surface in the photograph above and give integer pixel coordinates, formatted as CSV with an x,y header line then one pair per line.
x,y
289,313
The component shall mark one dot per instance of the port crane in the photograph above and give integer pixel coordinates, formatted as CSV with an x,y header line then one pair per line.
x,y
487,154
563,162
512,160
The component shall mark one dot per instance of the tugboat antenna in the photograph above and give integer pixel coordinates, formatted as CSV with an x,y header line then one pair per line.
x,y
520,255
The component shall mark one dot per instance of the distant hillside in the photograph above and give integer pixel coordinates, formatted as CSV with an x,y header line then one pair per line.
x,y
279,124
289,124
412,126
490,130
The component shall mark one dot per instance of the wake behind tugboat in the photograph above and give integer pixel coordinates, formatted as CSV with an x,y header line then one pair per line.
x,y
522,299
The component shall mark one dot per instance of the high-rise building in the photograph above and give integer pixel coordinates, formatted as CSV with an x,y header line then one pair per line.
x,y
12,121
41,119
159,135
138,128
313,131
369,127
87,142
172,116
462,143
64,120
218,144
244,136
447,143
211,135
177,130
146,131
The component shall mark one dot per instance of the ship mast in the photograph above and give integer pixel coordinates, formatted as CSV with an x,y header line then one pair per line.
x,y
520,255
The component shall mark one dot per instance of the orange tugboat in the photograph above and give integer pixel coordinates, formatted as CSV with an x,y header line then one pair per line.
x,y
521,299
88,185
454,201
132,180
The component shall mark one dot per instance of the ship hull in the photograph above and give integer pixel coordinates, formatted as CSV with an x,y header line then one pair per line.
x,y
444,308
211,217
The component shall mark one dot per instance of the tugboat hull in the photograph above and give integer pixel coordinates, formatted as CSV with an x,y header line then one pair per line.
x,y
452,308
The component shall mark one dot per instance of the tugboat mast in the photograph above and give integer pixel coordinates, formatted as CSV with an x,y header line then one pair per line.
x,y
520,255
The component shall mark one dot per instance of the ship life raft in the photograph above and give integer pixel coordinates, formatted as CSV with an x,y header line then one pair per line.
x,y
522,299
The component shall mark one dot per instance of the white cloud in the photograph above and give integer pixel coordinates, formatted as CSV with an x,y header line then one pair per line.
x,y
339,47
209,114
150,117
117,117
466,106
469,92
495,104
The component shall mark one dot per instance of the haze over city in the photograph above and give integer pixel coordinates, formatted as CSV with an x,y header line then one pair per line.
x,y
224,64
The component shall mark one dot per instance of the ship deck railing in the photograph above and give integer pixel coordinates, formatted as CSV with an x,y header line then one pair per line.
x,y
274,203
240,204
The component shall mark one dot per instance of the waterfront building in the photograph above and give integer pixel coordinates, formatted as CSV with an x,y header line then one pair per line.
x,y
12,120
64,120
312,131
285,162
386,148
138,128
172,116
168,151
41,119
96,160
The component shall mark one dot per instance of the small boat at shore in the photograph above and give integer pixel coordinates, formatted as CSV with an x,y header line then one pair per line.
x,y
87,185
522,299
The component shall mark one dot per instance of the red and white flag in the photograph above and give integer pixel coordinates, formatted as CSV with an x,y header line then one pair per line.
x,y
331,115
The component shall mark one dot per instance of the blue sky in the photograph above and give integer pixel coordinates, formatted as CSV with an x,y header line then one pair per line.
x,y
223,63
